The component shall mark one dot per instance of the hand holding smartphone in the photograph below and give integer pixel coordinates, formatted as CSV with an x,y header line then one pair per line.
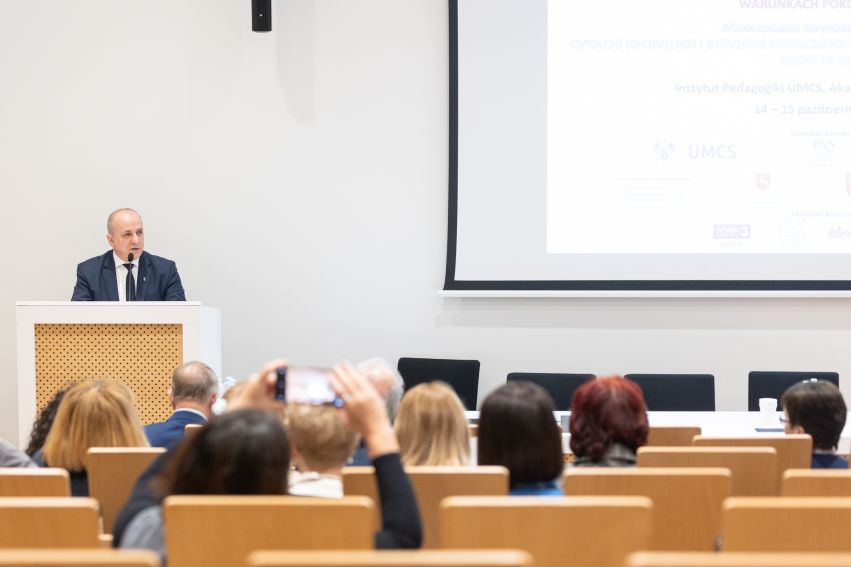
x,y
304,385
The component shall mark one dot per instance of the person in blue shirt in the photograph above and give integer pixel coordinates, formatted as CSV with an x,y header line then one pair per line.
x,y
517,430
816,407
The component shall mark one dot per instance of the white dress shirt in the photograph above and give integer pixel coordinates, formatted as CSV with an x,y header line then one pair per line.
x,y
121,275
191,410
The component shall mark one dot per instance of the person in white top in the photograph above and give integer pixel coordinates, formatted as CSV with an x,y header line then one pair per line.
x,y
320,446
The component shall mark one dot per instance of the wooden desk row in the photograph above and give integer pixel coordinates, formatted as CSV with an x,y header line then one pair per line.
x,y
418,558
556,531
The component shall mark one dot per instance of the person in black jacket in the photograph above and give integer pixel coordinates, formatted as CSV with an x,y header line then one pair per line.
x,y
260,467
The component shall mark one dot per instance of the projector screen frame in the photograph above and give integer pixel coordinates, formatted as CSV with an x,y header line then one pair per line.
x,y
454,287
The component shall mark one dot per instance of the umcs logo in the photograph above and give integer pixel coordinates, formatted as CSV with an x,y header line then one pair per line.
x,y
706,151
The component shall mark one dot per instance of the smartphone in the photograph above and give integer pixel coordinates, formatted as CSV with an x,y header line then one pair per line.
x,y
303,385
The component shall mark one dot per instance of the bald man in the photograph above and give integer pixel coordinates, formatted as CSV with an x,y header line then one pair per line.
x,y
194,389
127,272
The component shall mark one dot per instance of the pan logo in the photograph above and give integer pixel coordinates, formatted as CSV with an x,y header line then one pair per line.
x,y
724,231
839,232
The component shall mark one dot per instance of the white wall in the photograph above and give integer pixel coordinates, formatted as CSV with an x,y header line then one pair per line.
x,y
299,180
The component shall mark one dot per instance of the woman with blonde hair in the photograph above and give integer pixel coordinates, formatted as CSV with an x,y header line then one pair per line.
x,y
99,413
431,427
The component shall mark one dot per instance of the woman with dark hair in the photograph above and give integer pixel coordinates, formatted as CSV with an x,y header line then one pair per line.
x,y
517,430
241,452
608,423
816,407
247,451
43,422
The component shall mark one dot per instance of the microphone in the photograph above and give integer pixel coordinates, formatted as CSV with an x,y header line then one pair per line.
x,y
129,281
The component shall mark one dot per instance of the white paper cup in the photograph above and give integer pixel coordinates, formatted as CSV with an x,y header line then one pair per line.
x,y
768,405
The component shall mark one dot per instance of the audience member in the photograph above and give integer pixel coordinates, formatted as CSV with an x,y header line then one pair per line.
x,y
92,414
238,472
386,380
390,386
816,407
230,393
608,423
517,430
431,427
320,446
193,391
11,457
42,423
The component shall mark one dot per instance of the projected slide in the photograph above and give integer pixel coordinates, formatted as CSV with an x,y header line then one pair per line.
x,y
698,127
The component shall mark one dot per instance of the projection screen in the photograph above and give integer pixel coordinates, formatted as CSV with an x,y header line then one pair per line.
x,y
650,145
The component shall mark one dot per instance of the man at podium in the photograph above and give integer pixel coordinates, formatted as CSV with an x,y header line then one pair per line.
x,y
127,272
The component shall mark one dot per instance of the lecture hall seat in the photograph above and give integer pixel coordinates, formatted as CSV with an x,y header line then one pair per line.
x,y
763,384
559,386
462,375
431,486
676,392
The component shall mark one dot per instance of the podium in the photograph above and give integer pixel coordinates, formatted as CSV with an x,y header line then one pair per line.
x,y
137,343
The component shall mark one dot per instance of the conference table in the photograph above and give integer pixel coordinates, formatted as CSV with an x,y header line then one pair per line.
x,y
711,423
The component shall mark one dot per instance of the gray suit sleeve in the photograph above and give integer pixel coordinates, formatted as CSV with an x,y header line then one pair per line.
x,y
11,457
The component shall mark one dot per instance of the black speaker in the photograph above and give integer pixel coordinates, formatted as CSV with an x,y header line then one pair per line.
x,y
261,15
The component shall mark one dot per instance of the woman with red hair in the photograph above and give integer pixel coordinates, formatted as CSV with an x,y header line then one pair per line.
x,y
608,423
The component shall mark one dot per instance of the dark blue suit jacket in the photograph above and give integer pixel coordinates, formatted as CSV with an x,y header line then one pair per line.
x,y
157,280
167,433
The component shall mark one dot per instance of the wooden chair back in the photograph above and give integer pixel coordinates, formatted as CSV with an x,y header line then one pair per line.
x,y
191,429
557,531
113,471
787,524
34,482
360,481
816,482
686,501
48,522
736,559
671,436
754,468
393,558
431,486
78,558
793,451
222,530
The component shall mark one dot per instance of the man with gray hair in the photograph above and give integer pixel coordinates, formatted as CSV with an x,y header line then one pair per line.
x,y
194,388
390,386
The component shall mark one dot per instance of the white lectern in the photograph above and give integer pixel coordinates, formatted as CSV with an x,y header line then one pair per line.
x,y
137,343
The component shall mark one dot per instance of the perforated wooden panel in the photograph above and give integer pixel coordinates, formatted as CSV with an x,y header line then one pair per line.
x,y
141,356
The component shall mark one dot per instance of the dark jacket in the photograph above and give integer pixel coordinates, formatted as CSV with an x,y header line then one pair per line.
x,y
157,280
167,433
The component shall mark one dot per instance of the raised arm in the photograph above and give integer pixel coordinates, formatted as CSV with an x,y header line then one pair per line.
x,y
365,412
